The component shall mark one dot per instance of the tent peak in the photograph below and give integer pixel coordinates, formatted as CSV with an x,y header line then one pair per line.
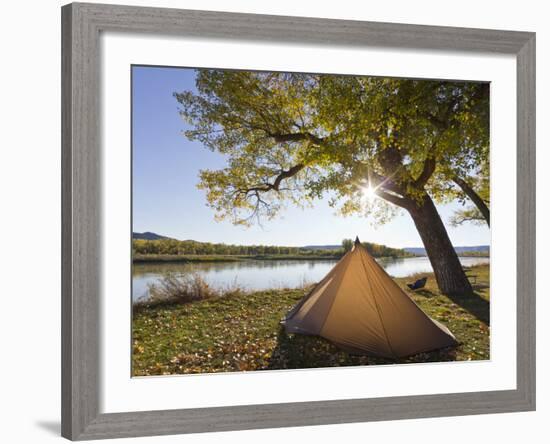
x,y
357,241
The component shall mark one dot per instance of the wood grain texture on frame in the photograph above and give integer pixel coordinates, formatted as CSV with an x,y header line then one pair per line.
x,y
81,206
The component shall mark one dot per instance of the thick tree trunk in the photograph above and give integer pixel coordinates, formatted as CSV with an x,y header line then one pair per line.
x,y
448,271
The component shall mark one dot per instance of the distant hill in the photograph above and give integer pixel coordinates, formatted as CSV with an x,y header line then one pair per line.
x,y
476,248
148,236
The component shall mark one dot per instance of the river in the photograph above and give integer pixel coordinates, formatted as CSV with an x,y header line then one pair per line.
x,y
261,275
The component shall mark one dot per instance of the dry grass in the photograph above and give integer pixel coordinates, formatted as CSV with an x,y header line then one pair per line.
x,y
184,289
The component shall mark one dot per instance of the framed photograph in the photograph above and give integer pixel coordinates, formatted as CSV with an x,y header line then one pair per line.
x,y
277,221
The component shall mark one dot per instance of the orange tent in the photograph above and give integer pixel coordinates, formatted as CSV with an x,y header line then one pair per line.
x,y
358,307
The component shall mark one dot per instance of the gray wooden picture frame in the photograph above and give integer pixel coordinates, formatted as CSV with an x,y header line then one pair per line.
x,y
81,243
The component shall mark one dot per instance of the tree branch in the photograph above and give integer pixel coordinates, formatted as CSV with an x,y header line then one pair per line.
x,y
392,198
295,137
275,186
427,171
459,220
286,174
476,199
385,182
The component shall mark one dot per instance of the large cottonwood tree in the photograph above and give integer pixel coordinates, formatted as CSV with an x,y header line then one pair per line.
x,y
299,137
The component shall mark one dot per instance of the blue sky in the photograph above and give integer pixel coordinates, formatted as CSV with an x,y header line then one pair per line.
x,y
167,201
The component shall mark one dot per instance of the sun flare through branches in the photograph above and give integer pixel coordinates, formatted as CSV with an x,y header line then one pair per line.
x,y
369,192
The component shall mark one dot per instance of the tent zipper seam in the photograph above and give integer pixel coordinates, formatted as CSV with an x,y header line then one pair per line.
x,y
378,309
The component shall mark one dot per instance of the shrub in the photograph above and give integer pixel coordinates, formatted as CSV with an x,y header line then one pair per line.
x,y
185,288
180,288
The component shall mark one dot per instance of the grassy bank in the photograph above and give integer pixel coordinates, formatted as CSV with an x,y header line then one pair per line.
x,y
242,332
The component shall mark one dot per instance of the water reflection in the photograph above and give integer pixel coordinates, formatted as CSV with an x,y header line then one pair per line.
x,y
261,275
